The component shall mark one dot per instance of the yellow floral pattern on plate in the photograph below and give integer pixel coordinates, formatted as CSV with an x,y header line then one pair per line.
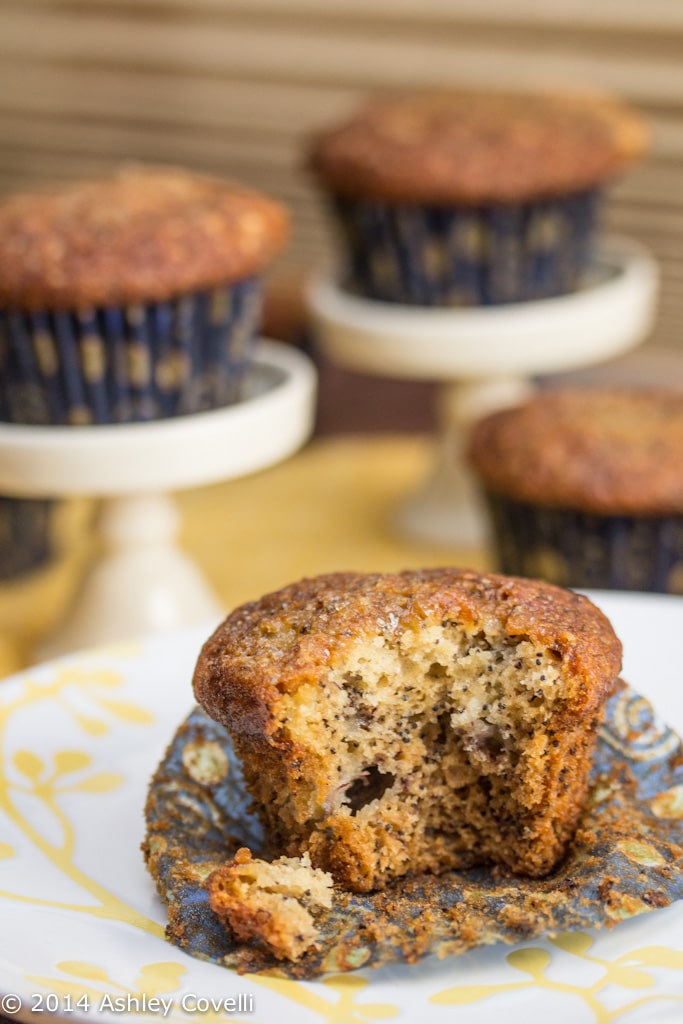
x,y
624,973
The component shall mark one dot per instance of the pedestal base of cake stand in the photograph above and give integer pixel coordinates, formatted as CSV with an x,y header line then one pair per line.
x,y
142,582
484,358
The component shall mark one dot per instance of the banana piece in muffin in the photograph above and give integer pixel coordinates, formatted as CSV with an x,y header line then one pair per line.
x,y
391,724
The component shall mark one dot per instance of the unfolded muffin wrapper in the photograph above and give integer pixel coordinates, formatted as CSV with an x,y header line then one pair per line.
x,y
127,363
581,549
469,256
624,861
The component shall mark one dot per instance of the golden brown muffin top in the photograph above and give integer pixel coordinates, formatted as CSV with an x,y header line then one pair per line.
x,y
143,234
295,635
617,452
477,147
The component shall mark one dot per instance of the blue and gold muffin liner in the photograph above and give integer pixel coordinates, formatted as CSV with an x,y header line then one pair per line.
x,y
581,549
478,256
130,363
625,859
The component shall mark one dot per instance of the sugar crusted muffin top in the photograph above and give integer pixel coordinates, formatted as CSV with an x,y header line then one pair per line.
x,y
477,147
291,637
613,452
141,234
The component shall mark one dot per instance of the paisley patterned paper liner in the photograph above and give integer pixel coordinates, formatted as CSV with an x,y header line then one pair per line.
x,y
580,549
625,859
25,535
130,363
478,256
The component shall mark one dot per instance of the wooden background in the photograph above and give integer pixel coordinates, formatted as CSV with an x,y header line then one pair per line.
x,y
234,86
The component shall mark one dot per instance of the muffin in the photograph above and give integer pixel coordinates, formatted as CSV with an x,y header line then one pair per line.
x,y
417,722
133,297
585,487
472,198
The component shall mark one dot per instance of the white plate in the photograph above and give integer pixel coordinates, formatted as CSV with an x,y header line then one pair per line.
x,y
80,919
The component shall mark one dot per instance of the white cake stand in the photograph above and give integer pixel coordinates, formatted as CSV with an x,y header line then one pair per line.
x,y
484,358
142,582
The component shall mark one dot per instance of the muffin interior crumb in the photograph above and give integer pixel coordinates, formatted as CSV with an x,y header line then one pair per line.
x,y
434,747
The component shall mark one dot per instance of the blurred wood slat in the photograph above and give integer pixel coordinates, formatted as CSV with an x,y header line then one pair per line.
x,y
234,87
656,16
258,49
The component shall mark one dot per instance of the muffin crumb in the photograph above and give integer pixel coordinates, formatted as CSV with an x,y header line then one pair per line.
x,y
273,903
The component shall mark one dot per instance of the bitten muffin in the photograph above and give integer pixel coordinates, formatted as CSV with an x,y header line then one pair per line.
x,y
585,487
471,198
423,721
131,297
